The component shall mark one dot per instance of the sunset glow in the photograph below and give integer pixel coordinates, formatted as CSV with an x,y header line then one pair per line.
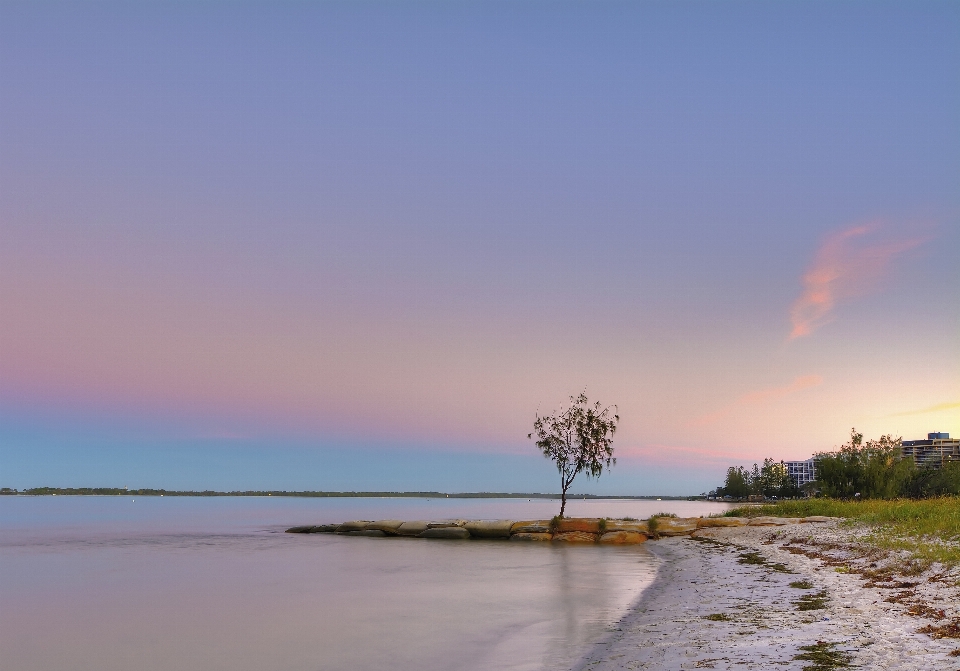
x,y
393,236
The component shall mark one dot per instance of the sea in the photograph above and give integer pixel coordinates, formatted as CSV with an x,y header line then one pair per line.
x,y
151,583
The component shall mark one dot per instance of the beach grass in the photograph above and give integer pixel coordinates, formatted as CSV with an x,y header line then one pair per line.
x,y
929,529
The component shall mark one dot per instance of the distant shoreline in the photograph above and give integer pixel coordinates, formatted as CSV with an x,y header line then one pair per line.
x,y
120,491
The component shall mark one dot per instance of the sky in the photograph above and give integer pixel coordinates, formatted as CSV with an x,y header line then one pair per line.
x,y
360,245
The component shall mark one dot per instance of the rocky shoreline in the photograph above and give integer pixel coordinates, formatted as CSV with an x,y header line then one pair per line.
x,y
565,530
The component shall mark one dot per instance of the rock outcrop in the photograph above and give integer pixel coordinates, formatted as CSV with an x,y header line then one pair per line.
x,y
584,524
575,537
300,529
532,527
388,527
567,530
531,536
772,521
451,532
363,532
439,524
412,528
324,528
622,538
636,526
676,526
713,522
489,528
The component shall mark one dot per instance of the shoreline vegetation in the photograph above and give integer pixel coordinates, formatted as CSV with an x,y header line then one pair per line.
x,y
928,530
123,491
875,469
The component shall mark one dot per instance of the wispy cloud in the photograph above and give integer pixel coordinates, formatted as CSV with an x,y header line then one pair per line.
x,y
933,408
847,264
762,396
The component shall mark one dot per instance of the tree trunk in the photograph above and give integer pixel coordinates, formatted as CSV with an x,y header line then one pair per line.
x,y
563,501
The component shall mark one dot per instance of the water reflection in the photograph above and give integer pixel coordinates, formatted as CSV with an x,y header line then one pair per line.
x,y
217,586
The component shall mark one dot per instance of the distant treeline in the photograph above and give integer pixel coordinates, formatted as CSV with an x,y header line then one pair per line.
x,y
121,491
875,469
768,481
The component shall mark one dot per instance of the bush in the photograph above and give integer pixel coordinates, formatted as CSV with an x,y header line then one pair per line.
x,y
652,526
875,470
929,482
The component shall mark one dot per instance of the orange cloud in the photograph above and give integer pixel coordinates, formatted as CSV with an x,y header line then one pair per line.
x,y
844,267
763,396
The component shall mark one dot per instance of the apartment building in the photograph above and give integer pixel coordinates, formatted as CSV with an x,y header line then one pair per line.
x,y
934,452
802,472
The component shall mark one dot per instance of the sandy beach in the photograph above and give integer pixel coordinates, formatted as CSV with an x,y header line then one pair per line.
x,y
723,599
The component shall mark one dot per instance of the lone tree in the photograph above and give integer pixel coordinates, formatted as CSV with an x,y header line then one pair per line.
x,y
577,439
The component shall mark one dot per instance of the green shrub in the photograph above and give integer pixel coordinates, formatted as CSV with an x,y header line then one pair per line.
x,y
930,482
652,525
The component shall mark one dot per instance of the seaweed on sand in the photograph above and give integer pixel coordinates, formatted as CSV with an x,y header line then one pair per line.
x,y
825,657
816,601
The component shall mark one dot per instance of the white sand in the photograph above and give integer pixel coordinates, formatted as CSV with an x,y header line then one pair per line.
x,y
667,628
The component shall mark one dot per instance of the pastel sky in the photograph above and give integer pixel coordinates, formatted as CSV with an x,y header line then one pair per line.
x,y
358,245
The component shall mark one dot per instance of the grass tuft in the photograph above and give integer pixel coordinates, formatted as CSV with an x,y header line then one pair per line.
x,y
802,584
718,617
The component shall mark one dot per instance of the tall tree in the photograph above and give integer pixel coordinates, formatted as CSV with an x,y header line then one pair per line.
x,y
577,439
737,483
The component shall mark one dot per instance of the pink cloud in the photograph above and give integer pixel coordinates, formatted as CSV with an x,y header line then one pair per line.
x,y
846,265
762,396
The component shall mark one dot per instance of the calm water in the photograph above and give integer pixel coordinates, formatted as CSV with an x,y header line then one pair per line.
x,y
214,583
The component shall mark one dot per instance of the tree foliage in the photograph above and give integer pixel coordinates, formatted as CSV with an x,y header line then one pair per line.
x,y
578,439
768,480
875,469
872,470
931,482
